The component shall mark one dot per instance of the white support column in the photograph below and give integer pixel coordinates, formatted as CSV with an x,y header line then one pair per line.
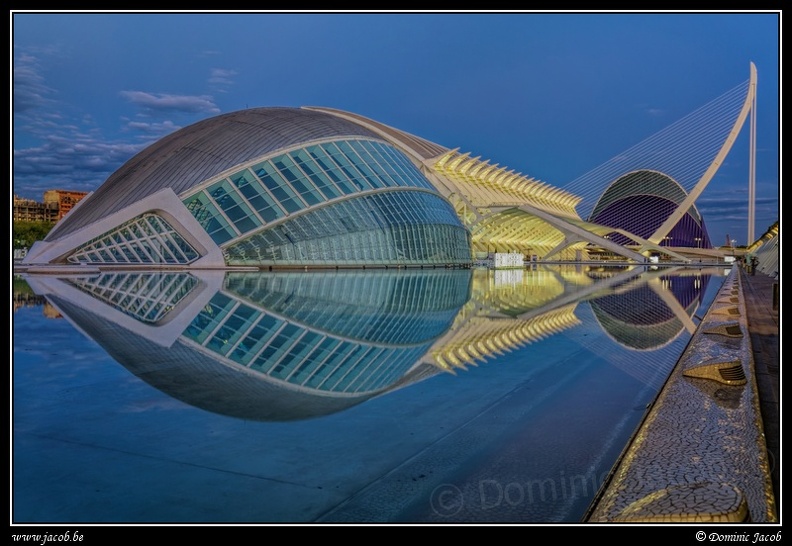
x,y
752,169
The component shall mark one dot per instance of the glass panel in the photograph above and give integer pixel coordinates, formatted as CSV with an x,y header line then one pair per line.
x,y
331,170
360,164
257,196
210,218
352,174
384,156
208,319
278,187
347,382
106,257
344,367
316,358
256,339
366,152
399,161
303,186
278,346
237,211
314,172
329,365
232,329
296,355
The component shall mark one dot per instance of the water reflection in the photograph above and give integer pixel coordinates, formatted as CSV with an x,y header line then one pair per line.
x,y
266,346
339,396
23,296
293,345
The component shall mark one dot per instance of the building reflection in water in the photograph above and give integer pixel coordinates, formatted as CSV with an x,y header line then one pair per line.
x,y
293,345
23,296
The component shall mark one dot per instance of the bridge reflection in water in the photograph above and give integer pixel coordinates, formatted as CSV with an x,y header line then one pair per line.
x,y
411,395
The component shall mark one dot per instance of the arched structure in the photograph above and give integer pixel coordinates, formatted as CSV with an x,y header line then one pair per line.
x,y
322,187
640,201
265,186
688,152
765,249
504,210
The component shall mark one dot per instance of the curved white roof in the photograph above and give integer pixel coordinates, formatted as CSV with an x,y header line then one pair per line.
x,y
201,151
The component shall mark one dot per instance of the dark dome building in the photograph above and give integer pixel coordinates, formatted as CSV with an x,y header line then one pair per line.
x,y
640,201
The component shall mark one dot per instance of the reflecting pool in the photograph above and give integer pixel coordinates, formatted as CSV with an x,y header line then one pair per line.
x,y
436,395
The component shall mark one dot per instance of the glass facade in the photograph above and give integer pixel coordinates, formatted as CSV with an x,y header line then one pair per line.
x,y
297,180
639,202
351,204
400,227
147,239
148,297
294,353
394,307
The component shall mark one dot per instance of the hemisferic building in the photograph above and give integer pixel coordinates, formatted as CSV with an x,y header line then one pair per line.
x,y
319,187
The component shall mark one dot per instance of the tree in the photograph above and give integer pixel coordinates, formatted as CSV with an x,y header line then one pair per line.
x,y
27,233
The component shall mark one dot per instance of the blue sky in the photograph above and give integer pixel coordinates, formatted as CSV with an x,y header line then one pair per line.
x,y
550,95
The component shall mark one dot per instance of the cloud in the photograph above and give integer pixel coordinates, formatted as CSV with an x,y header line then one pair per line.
x,y
77,161
221,79
58,146
153,129
735,209
30,91
222,76
173,103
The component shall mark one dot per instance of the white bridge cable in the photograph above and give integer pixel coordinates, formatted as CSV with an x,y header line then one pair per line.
x,y
683,150
676,137
686,161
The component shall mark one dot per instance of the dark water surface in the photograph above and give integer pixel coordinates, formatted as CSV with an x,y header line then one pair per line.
x,y
337,396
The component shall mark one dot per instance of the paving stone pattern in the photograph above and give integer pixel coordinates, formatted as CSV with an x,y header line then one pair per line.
x,y
702,455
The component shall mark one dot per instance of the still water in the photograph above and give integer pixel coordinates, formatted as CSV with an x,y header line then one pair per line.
x,y
337,396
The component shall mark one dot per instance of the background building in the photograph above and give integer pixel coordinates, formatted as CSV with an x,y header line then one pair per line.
x,y
57,203
64,199
28,210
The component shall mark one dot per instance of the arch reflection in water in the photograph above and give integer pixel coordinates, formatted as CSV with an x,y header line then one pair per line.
x,y
649,314
648,318
293,345
639,309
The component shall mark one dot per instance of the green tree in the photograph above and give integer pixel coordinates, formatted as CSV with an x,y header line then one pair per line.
x,y
27,233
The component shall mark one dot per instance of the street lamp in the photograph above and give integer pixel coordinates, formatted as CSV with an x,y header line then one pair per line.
x,y
698,241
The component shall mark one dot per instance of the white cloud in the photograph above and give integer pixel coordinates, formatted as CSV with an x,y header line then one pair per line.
x,y
222,76
177,103
30,91
155,129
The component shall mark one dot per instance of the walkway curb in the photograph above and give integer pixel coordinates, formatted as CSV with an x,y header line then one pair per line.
x,y
700,454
